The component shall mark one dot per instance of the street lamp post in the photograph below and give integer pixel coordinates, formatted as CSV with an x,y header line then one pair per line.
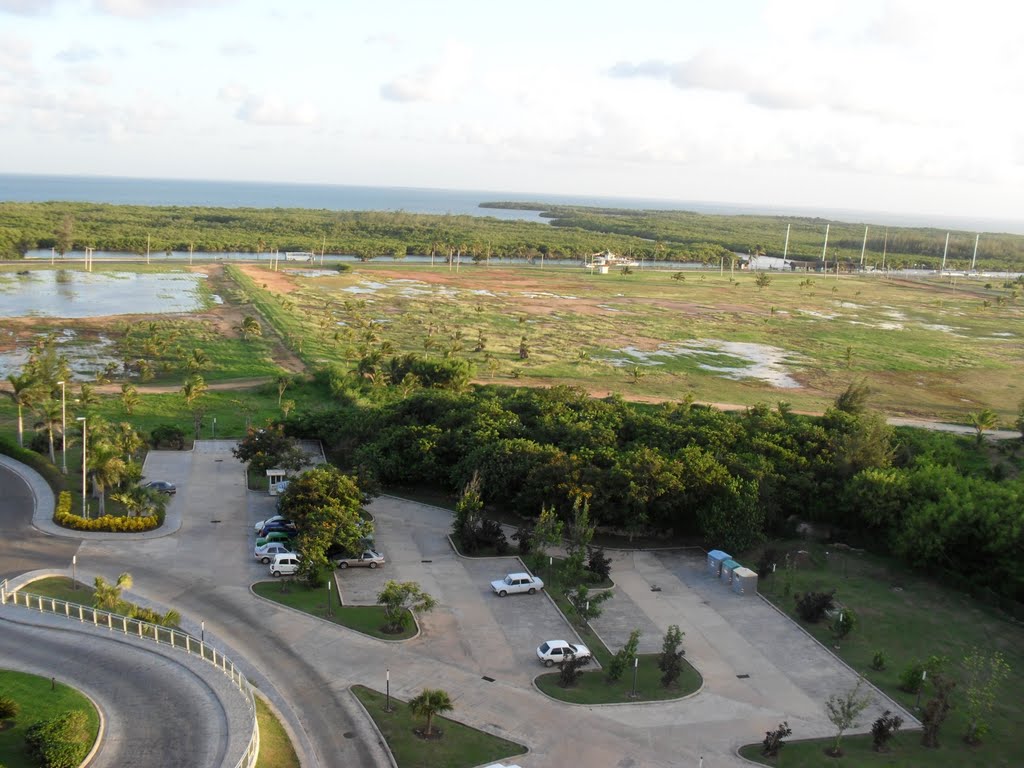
x,y
74,571
84,510
387,691
636,664
202,632
63,430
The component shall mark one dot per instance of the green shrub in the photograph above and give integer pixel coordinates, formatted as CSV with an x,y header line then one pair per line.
x,y
812,606
9,708
61,742
40,464
878,661
63,517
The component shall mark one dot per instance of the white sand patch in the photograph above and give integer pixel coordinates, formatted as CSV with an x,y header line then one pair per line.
x,y
1004,334
821,315
752,361
545,295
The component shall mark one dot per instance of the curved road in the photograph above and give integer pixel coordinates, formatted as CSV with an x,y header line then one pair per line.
x,y
25,548
155,711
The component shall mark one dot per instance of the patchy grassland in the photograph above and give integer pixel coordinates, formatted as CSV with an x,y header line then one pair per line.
x,y
929,348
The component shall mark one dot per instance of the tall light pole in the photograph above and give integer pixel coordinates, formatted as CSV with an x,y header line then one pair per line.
x,y
63,430
84,510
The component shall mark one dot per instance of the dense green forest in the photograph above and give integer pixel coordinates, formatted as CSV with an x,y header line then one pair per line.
x,y
686,471
574,232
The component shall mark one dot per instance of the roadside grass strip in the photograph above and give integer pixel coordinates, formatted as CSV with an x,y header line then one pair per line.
x,y
458,746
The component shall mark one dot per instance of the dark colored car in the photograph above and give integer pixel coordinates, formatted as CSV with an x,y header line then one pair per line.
x,y
162,486
279,527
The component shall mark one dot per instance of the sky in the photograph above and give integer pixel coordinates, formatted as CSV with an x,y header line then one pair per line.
x,y
908,107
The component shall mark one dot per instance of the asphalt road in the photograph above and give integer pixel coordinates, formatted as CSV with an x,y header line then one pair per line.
x,y
25,548
156,711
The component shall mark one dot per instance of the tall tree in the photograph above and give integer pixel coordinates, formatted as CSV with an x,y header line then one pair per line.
x,y
23,392
107,596
193,389
50,419
107,469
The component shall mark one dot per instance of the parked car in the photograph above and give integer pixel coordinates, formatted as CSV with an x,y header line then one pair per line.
x,y
515,583
275,519
284,565
554,652
266,552
284,537
279,527
368,559
161,486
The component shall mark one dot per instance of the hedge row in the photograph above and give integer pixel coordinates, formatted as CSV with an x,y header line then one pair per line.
x,y
63,517
39,463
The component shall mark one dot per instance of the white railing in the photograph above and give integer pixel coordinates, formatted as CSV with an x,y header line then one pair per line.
x,y
146,630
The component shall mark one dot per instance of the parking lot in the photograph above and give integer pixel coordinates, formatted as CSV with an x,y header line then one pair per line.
x,y
474,636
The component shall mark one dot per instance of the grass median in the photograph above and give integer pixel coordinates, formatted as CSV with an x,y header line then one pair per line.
x,y
368,619
38,699
459,746
276,750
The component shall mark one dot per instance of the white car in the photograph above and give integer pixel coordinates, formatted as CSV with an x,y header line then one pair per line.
x,y
266,552
284,565
515,583
556,651
264,523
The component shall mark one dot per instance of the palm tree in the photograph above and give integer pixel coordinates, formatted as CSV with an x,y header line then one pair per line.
x,y
982,421
250,327
129,397
107,469
107,596
198,361
50,418
127,441
432,701
192,389
88,396
23,392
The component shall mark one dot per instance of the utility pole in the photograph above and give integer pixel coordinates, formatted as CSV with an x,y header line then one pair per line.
x,y
944,252
863,247
785,248
824,248
974,258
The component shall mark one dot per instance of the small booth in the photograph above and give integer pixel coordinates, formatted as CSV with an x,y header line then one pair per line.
x,y
715,560
275,476
728,566
744,581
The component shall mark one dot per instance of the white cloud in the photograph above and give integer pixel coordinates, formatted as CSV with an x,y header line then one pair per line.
x,y
27,7
144,9
78,52
91,75
16,57
239,48
441,81
267,109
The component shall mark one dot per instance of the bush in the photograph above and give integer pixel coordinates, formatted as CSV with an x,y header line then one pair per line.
x,y
844,623
60,742
40,464
63,517
168,434
911,678
878,661
883,729
773,740
812,606
599,564
571,669
9,708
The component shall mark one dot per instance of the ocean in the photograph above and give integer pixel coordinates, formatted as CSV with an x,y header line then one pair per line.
x,y
251,194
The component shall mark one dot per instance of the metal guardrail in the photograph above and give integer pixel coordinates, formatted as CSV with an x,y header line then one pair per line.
x,y
146,630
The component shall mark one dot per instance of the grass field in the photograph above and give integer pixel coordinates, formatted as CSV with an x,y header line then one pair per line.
x,y
367,619
459,746
909,617
38,702
276,750
929,347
